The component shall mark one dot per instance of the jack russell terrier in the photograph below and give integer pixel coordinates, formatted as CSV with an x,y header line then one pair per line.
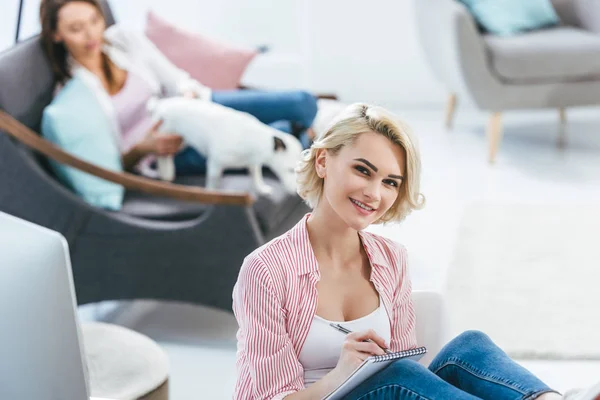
x,y
228,139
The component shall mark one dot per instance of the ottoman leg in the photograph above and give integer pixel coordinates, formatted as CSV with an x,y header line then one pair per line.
x,y
161,393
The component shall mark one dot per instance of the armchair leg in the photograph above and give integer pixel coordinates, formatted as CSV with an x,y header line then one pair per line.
x,y
562,128
450,108
494,135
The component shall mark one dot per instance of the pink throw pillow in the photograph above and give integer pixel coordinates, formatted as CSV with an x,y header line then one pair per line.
x,y
212,63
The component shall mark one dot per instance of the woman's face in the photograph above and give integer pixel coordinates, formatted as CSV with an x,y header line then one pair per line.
x,y
81,28
363,180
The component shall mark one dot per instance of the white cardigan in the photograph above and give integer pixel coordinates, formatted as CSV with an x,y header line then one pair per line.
x,y
132,51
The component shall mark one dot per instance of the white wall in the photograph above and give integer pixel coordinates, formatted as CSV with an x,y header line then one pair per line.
x,y
370,51
8,16
361,51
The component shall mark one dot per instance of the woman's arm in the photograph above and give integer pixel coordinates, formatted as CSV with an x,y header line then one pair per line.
x,y
319,389
268,367
159,144
175,80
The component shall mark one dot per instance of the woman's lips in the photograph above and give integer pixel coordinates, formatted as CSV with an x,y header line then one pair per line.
x,y
360,209
91,45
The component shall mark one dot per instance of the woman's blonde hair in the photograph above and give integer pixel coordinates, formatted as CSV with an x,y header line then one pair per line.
x,y
355,120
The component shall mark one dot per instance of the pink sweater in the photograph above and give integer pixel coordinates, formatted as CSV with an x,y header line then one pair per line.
x,y
275,300
130,105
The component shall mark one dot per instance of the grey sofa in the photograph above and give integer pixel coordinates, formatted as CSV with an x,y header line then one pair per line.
x,y
157,247
551,68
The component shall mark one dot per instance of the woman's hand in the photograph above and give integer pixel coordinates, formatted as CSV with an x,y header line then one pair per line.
x,y
156,143
160,143
356,349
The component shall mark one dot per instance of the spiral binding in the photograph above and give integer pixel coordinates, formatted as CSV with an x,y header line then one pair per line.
x,y
401,354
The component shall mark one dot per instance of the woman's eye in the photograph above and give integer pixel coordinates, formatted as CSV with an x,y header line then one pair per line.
x,y
391,183
362,170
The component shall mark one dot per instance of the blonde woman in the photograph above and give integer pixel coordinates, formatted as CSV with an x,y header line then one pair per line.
x,y
365,169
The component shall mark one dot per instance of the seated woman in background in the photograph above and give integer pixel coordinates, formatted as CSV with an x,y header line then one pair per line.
x,y
125,70
365,169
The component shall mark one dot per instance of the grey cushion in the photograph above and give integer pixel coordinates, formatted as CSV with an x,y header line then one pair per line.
x,y
26,81
562,54
148,206
270,210
110,19
581,13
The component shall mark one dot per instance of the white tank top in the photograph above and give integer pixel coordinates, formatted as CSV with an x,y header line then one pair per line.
x,y
321,350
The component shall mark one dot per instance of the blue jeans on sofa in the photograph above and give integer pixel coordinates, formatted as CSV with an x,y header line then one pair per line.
x,y
289,111
470,367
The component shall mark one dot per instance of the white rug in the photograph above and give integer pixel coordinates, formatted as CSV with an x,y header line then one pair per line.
x,y
529,276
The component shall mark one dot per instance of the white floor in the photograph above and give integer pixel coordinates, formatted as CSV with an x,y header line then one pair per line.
x,y
530,167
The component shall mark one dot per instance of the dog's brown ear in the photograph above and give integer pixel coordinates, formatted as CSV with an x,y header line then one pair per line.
x,y
279,144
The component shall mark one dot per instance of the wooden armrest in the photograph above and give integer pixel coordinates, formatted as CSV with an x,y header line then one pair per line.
x,y
130,181
331,96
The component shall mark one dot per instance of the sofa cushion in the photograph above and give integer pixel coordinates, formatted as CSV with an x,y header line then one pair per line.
x,y
270,210
212,63
562,54
76,123
510,17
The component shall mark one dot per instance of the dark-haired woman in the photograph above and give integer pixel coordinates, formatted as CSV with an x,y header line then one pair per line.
x,y
124,69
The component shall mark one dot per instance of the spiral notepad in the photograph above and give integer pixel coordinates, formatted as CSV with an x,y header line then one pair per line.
x,y
370,367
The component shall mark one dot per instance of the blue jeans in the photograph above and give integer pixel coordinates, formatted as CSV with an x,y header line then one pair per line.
x,y
470,367
289,111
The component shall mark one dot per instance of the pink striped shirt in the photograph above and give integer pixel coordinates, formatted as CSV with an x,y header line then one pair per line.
x,y
275,300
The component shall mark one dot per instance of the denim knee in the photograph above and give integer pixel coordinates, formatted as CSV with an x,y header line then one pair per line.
x,y
305,106
401,368
464,344
472,336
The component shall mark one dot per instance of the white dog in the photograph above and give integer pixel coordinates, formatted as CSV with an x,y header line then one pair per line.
x,y
228,139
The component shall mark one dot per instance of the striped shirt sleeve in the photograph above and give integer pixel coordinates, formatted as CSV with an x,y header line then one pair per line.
x,y
269,368
403,311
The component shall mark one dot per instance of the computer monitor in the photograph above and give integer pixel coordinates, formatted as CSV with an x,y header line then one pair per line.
x,y
40,342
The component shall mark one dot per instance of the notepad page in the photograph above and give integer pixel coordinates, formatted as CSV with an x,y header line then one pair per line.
x,y
370,367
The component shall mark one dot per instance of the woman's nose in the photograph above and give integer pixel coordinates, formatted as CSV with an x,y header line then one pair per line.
x,y
372,190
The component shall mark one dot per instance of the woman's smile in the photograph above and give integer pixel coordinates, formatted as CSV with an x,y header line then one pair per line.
x,y
361,207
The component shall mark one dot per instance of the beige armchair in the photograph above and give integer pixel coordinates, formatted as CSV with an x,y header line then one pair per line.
x,y
557,67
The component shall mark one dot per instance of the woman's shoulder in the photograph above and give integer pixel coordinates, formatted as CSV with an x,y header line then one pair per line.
x,y
272,257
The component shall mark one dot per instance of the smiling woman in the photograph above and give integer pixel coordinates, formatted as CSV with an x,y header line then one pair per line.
x,y
379,150
365,169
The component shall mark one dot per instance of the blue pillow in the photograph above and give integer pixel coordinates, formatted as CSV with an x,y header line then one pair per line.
x,y
509,17
75,122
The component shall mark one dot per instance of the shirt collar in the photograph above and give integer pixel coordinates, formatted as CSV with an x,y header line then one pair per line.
x,y
301,244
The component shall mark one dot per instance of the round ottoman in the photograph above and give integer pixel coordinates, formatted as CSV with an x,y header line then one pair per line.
x,y
123,364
